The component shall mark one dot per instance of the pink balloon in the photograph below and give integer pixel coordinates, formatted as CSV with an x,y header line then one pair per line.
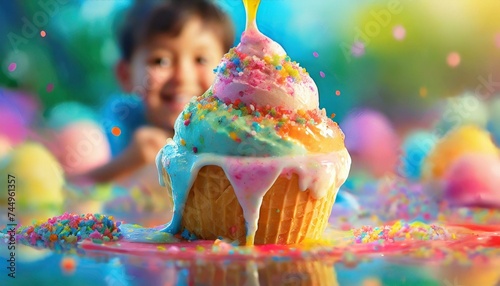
x,y
17,111
372,141
12,127
82,146
473,180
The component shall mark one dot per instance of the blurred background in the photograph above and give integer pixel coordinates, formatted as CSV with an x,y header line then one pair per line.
x,y
400,57
397,56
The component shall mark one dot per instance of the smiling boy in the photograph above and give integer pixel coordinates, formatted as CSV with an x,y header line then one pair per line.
x,y
169,50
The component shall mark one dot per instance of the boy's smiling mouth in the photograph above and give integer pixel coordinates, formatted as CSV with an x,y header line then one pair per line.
x,y
176,101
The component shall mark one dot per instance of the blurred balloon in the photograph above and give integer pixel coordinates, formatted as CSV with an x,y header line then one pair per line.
x,y
69,112
415,149
80,144
464,140
37,182
81,147
18,111
371,141
473,181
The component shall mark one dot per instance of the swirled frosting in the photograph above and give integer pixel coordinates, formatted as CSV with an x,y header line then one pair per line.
x,y
261,104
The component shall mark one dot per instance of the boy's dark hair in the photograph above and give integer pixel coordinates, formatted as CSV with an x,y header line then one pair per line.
x,y
148,18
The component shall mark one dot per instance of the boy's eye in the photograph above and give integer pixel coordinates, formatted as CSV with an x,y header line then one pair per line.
x,y
201,60
162,62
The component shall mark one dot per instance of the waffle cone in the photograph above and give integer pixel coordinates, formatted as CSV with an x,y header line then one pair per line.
x,y
287,215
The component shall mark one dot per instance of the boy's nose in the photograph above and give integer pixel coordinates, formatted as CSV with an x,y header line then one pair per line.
x,y
184,75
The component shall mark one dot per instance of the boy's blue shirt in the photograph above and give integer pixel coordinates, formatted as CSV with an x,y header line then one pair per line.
x,y
126,112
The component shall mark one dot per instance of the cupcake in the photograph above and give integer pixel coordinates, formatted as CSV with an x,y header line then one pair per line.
x,y
254,160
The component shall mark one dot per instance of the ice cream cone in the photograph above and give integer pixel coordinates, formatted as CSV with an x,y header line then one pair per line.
x,y
287,215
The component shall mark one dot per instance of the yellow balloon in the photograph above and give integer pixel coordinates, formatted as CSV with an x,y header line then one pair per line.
x,y
468,139
35,181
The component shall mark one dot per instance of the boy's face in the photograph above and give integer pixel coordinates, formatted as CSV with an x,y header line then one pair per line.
x,y
168,71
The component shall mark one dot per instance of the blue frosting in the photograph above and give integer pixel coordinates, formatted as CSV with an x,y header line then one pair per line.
x,y
219,131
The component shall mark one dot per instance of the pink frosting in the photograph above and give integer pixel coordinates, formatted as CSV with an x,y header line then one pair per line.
x,y
265,85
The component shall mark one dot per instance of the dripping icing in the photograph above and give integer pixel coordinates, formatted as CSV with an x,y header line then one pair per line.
x,y
250,177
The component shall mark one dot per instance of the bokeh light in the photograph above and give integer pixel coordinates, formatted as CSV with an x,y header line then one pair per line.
x,y
358,49
12,67
453,59
423,91
399,32
50,87
68,265
116,131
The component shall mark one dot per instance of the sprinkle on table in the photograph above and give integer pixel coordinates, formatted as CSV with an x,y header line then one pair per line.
x,y
400,231
70,229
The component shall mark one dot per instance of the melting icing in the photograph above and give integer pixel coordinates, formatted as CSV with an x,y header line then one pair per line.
x,y
251,177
